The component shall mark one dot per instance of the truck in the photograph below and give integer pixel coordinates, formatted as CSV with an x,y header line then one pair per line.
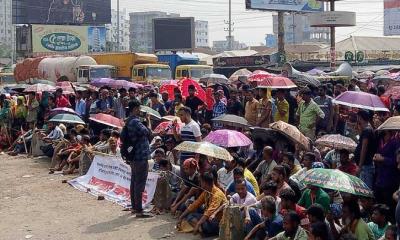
x,y
139,67
185,65
81,69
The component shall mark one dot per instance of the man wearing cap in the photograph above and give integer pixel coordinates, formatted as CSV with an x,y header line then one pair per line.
x,y
136,151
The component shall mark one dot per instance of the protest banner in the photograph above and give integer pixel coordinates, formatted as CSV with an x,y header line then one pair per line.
x,y
110,177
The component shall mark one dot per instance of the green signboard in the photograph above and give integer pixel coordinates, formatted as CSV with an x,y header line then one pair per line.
x,y
349,56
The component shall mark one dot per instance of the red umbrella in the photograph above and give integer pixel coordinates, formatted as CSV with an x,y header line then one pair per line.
x,y
276,82
259,75
167,127
184,87
108,120
169,86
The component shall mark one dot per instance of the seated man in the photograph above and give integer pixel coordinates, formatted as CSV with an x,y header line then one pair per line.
x,y
102,145
212,198
154,164
288,204
292,228
21,144
242,196
238,176
64,154
74,156
289,159
270,227
346,164
190,185
315,194
45,141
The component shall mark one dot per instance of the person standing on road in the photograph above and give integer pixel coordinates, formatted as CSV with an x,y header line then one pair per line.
x,y
136,151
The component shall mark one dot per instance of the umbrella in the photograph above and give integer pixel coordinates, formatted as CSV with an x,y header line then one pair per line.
x,y
336,141
259,76
169,86
239,74
276,83
171,118
268,135
56,111
167,127
67,87
366,74
336,180
360,100
393,92
392,123
205,148
100,82
228,138
118,84
184,87
108,120
292,133
35,81
382,72
212,79
150,111
231,120
316,72
39,87
67,118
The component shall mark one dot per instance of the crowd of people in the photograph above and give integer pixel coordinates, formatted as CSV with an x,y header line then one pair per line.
x,y
262,178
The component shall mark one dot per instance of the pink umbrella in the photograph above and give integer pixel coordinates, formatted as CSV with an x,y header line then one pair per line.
x,y
259,75
167,127
39,87
228,138
118,84
56,111
361,100
393,92
66,87
276,82
108,120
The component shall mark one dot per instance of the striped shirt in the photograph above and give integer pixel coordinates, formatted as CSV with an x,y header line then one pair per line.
x,y
189,133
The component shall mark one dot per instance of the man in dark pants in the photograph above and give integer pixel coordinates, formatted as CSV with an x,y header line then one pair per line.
x,y
136,151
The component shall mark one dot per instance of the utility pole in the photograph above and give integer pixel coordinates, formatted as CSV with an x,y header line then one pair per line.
x,y
281,37
118,41
229,29
333,40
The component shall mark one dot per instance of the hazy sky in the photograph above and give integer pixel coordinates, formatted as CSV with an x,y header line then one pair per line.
x,y
251,26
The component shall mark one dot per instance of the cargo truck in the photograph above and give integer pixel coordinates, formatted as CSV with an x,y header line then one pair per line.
x,y
185,65
139,67
74,69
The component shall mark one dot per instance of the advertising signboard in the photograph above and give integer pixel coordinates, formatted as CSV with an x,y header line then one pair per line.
x,y
286,5
173,34
67,39
76,12
391,17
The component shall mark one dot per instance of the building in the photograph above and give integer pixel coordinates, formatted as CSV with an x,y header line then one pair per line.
x,y
298,30
141,29
6,37
112,30
223,45
201,34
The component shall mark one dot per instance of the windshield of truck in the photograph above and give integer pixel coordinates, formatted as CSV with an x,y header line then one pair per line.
x,y
158,73
100,73
199,72
8,79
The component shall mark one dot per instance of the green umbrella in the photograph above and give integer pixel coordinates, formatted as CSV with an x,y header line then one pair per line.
x,y
336,180
67,118
150,111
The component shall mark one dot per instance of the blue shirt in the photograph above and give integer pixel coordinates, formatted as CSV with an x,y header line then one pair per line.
x,y
273,226
232,185
80,107
139,136
218,110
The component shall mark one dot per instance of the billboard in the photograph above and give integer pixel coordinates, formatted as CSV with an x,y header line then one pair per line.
x,y
173,34
286,5
391,24
75,12
67,39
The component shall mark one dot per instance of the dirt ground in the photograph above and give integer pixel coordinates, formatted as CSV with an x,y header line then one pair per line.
x,y
37,205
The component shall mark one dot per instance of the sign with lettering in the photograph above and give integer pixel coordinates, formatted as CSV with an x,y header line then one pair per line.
x,y
242,61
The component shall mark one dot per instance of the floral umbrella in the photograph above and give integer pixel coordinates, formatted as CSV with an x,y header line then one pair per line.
x,y
336,141
167,127
393,92
228,138
205,148
336,180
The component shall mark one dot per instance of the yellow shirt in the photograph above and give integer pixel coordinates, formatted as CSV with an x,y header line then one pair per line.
x,y
250,177
251,111
211,202
282,106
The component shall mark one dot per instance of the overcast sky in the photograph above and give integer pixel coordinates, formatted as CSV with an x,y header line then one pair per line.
x,y
250,27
